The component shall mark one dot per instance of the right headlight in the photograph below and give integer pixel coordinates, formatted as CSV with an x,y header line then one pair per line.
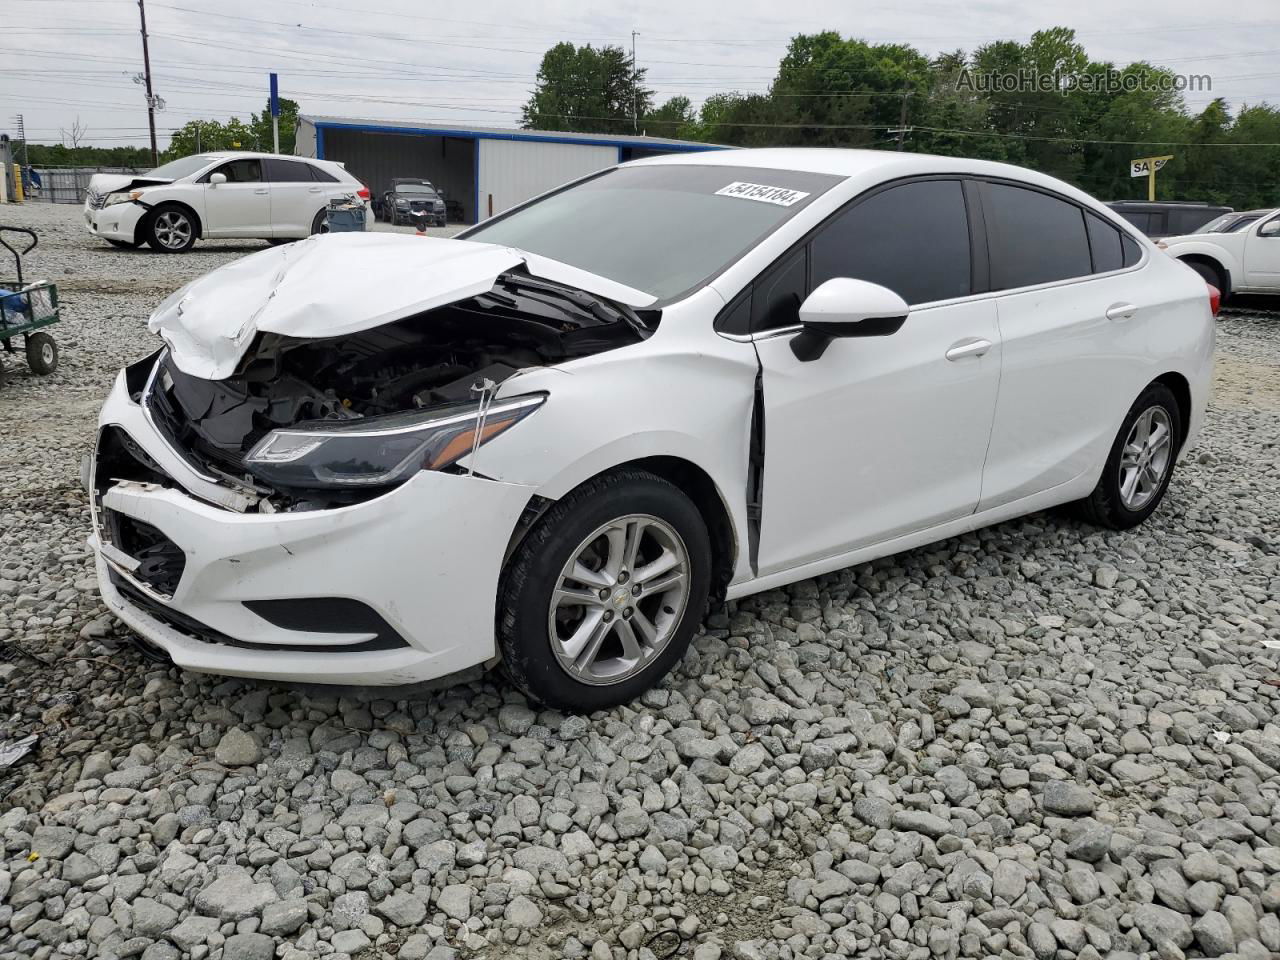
x,y
380,451
121,197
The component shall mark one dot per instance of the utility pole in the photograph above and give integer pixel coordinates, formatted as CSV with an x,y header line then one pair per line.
x,y
635,92
22,135
902,129
146,68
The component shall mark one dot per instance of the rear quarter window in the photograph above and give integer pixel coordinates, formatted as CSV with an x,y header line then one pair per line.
x,y
1033,237
1105,244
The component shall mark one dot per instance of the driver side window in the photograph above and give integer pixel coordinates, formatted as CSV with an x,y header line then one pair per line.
x,y
241,171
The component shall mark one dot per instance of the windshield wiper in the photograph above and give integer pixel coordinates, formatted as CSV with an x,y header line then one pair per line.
x,y
606,311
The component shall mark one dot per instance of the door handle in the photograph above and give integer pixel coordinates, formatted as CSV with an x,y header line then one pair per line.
x,y
970,347
260,190
313,190
1121,311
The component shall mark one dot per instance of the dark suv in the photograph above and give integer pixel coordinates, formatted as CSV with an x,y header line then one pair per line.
x,y
408,197
1167,219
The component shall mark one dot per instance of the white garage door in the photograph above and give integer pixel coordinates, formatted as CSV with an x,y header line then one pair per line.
x,y
512,171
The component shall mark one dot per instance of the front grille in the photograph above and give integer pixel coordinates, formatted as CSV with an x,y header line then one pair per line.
x,y
96,200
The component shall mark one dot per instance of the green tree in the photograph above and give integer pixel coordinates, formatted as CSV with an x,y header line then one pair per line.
x,y
675,118
587,89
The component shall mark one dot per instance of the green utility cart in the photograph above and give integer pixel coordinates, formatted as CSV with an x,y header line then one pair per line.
x,y
27,307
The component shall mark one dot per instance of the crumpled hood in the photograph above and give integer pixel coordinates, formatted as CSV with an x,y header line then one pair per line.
x,y
337,284
111,182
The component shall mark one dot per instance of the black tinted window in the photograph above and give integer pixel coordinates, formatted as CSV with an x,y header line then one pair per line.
x,y
913,239
776,298
242,171
288,171
1033,237
1132,252
1104,242
321,176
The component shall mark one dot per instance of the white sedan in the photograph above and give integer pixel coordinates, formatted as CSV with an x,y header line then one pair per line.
x,y
678,381
211,196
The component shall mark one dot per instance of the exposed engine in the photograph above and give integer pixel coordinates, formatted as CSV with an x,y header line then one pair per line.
x,y
427,360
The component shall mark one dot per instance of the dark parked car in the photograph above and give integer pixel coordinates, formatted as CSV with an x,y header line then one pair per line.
x,y
409,197
1169,218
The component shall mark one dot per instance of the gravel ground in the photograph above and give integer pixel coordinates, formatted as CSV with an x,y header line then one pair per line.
x,y
1039,740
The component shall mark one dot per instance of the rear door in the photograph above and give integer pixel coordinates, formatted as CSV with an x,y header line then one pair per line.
x,y
881,436
241,207
1262,255
295,196
1074,329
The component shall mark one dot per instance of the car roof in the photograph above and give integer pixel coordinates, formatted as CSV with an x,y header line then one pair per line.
x,y
256,155
869,166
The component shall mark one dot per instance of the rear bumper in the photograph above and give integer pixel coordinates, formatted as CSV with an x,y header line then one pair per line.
x,y
116,222
424,559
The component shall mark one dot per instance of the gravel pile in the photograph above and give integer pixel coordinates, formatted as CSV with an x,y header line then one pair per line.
x,y
1038,740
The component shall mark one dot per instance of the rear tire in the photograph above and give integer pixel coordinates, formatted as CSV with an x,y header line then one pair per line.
x,y
654,593
1141,462
42,353
171,229
317,224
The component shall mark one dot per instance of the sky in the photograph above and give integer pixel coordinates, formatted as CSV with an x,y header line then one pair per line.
x,y
68,63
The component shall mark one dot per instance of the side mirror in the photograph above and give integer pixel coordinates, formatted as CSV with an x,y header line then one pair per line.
x,y
217,178
1270,229
844,307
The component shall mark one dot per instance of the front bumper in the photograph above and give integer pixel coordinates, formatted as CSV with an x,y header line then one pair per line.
x,y
116,222
424,557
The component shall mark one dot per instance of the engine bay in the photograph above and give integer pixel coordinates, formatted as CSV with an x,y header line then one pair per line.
x,y
436,358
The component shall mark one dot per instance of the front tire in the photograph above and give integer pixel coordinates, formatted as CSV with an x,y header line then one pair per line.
x,y
123,244
605,592
1141,462
171,229
1211,274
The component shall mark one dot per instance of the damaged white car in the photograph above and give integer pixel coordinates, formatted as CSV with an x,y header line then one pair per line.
x,y
378,459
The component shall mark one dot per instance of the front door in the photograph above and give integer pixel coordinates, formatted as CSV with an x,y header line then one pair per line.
x,y
881,436
1262,255
241,207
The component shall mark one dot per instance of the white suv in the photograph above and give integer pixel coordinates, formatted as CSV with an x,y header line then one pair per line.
x,y
1237,253
217,196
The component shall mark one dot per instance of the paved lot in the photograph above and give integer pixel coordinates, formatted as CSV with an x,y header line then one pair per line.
x,y
1039,740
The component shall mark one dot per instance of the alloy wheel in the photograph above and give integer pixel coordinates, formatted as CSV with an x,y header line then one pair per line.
x,y
1145,458
619,599
173,229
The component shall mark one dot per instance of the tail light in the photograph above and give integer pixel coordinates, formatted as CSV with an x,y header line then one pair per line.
x,y
363,193
1215,298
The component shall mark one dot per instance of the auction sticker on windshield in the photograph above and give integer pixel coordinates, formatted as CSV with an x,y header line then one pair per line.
x,y
781,196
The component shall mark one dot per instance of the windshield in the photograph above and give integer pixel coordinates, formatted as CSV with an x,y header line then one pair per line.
x,y
182,167
662,229
415,188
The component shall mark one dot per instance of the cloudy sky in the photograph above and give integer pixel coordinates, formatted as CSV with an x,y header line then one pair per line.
x,y
473,61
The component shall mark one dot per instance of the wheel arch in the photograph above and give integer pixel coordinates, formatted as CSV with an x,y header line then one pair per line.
x,y
1180,387
692,480
144,223
1216,263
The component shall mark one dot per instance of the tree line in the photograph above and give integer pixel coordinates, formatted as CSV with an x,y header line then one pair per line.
x,y
1043,104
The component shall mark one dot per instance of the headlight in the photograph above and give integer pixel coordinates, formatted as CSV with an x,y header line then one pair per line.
x,y
402,203
378,451
114,198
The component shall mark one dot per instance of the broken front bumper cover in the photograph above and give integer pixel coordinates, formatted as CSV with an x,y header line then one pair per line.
x,y
410,576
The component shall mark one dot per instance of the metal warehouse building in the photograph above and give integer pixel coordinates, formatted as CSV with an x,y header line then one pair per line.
x,y
486,169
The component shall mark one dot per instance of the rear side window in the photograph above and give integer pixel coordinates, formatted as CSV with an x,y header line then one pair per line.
x,y
319,175
913,239
1132,251
288,171
1033,237
1104,244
